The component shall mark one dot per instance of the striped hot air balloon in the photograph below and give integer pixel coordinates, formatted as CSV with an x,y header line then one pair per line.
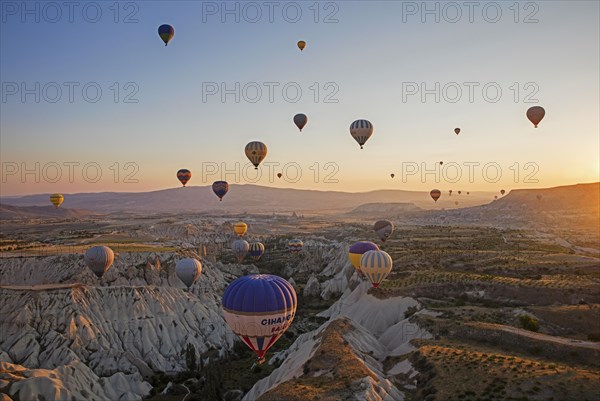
x,y
358,249
295,246
184,176
56,199
256,153
240,228
166,33
376,265
361,131
220,188
257,249
259,308
240,249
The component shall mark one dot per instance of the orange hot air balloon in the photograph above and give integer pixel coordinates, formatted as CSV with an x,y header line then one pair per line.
x,y
535,114
457,131
301,45
435,194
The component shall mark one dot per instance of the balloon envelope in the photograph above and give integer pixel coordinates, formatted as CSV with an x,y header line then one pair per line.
x,y
384,229
166,33
376,265
257,249
301,45
99,259
259,308
279,175
457,131
256,152
240,228
535,114
295,246
361,131
57,199
240,249
502,192
220,188
300,120
188,270
435,194
392,175
358,249
184,176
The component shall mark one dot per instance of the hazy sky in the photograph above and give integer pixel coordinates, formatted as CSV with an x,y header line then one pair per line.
x,y
366,58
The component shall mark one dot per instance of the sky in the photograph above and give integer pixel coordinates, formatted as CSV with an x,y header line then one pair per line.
x,y
93,101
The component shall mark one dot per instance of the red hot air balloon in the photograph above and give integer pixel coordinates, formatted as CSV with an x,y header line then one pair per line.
x,y
535,114
184,176
435,194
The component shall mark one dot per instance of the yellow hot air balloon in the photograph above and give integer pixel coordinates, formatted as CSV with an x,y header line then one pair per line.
x,y
301,45
57,199
240,228
358,249
376,265
256,153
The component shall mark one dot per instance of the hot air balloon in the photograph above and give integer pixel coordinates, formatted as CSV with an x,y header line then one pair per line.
x,y
279,175
56,199
495,197
384,229
457,131
376,265
184,176
535,114
188,270
450,192
441,163
256,152
435,194
240,228
459,192
259,308
361,131
166,33
456,203
240,249
256,251
301,45
220,188
539,197
358,249
99,259
392,175
468,193
300,120
295,246
502,192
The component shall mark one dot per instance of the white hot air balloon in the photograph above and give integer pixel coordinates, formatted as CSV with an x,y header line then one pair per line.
x,y
99,259
188,270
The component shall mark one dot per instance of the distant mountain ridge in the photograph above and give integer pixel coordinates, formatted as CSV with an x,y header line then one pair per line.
x,y
20,212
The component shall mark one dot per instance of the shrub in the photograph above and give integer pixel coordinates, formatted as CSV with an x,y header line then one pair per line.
x,y
529,323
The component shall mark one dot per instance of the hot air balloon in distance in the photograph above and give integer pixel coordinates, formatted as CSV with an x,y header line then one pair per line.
x,y
495,197
456,203
468,193
240,249
188,270
535,114
457,131
295,246
279,175
383,228
539,197
376,265
358,249
392,175
502,192
99,259
240,228
166,33
450,192
361,131
441,163
301,45
184,176
300,120
435,194
259,308
56,199
257,249
459,192
256,153
220,188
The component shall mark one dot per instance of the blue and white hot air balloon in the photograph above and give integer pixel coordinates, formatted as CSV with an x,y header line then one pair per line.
x,y
361,131
259,308
376,265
